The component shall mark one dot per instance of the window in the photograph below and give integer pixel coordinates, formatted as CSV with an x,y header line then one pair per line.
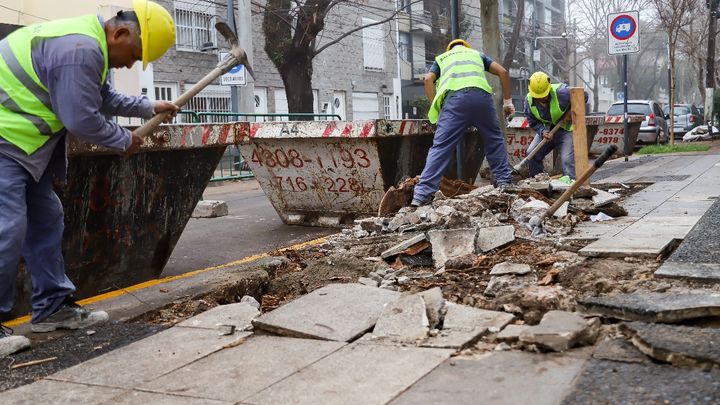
x,y
194,24
405,47
386,107
373,46
213,98
163,93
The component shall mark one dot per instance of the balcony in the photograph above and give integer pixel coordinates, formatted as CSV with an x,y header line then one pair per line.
x,y
421,23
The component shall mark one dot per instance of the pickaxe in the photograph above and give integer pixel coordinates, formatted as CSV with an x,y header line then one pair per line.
x,y
236,57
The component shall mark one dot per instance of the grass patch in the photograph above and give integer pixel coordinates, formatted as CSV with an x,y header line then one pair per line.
x,y
657,149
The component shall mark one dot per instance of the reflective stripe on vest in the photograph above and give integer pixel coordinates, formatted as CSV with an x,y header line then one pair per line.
x,y
460,68
555,112
26,117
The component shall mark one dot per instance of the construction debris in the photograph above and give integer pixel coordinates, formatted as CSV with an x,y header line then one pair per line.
x,y
654,307
559,331
210,209
679,345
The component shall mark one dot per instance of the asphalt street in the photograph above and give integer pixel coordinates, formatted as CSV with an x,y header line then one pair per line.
x,y
251,227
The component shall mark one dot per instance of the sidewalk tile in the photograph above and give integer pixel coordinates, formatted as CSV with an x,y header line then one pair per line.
x,y
58,393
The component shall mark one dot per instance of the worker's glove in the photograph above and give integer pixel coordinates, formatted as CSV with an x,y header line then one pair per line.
x,y
508,107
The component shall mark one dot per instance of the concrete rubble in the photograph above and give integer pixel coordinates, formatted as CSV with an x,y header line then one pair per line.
x,y
559,331
654,307
210,209
679,345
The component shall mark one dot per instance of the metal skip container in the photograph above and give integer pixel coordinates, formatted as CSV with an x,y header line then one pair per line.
x,y
328,173
124,215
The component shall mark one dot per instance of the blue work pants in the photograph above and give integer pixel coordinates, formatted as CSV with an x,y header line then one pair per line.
x,y
563,143
31,226
462,109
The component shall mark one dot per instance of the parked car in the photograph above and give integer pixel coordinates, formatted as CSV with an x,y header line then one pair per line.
x,y
654,129
685,118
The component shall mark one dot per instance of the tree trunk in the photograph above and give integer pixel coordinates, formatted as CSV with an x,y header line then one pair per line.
x,y
297,78
596,88
519,17
671,125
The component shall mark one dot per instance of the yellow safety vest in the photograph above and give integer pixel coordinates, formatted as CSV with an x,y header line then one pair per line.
x,y
555,112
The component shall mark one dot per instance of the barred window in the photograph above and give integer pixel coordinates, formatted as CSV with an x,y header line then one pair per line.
x,y
212,99
194,24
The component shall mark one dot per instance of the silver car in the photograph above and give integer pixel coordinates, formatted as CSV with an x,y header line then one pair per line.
x,y
685,118
654,129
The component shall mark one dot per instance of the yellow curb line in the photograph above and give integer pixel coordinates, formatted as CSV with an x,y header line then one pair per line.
x,y
112,294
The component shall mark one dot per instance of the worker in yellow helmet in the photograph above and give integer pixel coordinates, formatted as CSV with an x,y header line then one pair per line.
x,y
461,97
53,81
548,104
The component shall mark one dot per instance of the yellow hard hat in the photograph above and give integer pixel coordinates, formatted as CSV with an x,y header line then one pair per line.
x,y
456,42
157,30
539,85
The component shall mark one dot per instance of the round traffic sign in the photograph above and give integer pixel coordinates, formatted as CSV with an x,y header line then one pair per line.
x,y
236,69
623,27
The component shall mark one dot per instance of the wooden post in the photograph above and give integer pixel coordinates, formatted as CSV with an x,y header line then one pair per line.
x,y
580,146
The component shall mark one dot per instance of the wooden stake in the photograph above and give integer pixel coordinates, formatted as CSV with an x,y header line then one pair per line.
x,y
32,363
580,146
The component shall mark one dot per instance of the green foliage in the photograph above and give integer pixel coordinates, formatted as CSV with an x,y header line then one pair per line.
x,y
658,149
423,105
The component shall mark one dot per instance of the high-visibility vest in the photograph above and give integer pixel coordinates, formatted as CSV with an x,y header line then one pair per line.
x,y
26,116
555,112
460,68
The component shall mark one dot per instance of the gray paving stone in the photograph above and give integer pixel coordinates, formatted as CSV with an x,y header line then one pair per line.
x,y
500,378
602,198
356,374
60,393
691,271
237,373
619,350
210,209
511,333
560,331
434,305
403,245
341,312
451,243
494,237
510,268
239,315
403,319
464,325
618,246
654,307
148,359
142,397
679,345
611,382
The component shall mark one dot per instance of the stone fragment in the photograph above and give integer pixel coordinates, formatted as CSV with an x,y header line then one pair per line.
x,y
360,233
562,211
559,331
368,281
486,220
434,305
511,333
494,237
370,224
403,245
451,243
404,319
238,314
444,210
464,325
619,350
679,345
340,312
654,307
510,268
505,284
210,209
247,299
602,198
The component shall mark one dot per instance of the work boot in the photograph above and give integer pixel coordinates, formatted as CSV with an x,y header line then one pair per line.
x,y
69,316
10,344
417,203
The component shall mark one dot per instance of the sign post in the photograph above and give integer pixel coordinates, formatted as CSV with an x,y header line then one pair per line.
x,y
624,38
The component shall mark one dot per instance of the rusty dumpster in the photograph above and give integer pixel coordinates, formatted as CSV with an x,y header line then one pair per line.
x,y
124,215
328,173
604,131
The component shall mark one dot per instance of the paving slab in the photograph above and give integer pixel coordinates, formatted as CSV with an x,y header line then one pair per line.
x,y
641,246
494,237
689,271
498,378
561,330
679,345
611,382
237,373
464,325
141,397
148,359
510,268
654,307
356,374
451,243
239,315
341,312
511,333
619,350
59,393
395,250
403,319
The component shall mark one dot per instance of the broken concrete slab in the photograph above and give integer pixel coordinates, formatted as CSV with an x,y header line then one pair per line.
x,y
602,198
679,345
505,284
494,237
628,245
246,369
511,333
689,271
369,281
339,312
619,350
434,306
614,382
510,268
404,319
210,209
147,359
403,245
561,330
360,373
451,243
654,307
508,377
562,211
464,325
239,315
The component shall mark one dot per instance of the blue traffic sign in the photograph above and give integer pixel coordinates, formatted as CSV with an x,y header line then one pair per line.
x,y
623,27
236,69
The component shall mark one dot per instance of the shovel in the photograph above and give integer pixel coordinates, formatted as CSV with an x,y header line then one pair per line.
x,y
535,223
235,57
